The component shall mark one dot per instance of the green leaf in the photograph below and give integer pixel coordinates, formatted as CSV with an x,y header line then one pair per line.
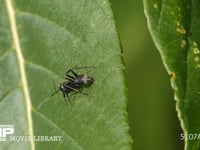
x,y
39,42
174,26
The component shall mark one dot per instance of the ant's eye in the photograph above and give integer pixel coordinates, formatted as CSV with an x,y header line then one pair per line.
x,y
61,87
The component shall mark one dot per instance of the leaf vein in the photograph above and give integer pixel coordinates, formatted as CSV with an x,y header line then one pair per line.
x,y
54,23
9,92
5,53
50,122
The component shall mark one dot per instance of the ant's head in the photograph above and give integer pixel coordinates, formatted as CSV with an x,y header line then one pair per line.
x,y
62,87
87,80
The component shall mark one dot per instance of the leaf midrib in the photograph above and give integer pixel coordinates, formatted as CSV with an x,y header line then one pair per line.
x,y
17,47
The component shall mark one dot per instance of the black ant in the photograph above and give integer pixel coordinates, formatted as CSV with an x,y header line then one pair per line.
x,y
74,83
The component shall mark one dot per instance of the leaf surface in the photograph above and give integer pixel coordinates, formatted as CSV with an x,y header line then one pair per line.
x,y
39,42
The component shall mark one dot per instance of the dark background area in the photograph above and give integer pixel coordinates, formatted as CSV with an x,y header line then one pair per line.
x,y
153,120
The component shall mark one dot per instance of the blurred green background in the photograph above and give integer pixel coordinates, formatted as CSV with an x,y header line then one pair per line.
x,y
153,120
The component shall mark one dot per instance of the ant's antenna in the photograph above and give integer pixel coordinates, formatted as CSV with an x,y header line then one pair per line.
x,y
46,99
83,67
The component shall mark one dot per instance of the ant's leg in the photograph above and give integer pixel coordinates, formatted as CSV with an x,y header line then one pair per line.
x,y
86,94
65,98
69,99
81,91
70,70
71,78
66,95
77,91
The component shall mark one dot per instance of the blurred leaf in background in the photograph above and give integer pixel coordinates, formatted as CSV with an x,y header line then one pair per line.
x,y
174,27
151,106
